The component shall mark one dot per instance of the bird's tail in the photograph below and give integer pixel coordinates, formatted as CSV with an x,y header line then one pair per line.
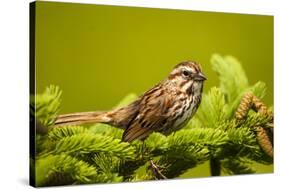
x,y
83,118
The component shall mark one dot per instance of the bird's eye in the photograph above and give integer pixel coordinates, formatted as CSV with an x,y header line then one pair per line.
x,y
186,73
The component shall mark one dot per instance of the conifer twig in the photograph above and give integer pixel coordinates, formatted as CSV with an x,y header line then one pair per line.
x,y
157,173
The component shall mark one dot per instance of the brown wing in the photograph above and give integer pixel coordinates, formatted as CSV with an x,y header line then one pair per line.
x,y
152,113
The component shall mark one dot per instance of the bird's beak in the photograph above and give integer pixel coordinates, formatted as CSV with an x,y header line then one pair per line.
x,y
200,77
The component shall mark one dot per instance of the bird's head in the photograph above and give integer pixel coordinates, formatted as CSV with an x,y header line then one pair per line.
x,y
186,74
188,70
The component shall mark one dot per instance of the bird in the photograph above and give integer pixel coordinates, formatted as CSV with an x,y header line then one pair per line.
x,y
165,108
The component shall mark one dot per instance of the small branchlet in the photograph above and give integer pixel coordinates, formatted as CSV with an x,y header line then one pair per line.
x,y
156,171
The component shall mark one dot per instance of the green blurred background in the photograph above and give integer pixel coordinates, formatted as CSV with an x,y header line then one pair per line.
x,y
98,54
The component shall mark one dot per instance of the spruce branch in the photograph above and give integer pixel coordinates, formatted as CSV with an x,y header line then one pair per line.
x,y
216,105
106,130
200,136
47,105
234,82
181,153
258,89
236,166
232,76
107,167
67,167
88,143
239,97
58,133
231,129
241,136
172,167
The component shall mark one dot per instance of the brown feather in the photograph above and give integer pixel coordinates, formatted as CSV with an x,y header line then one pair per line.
x,y
153,112
135,132
82,118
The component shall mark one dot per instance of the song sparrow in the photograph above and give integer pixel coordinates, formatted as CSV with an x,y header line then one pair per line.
x,y
164,108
